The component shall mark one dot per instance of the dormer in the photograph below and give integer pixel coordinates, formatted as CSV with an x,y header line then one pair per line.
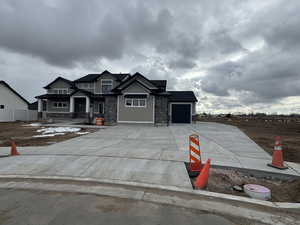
x,y
60,86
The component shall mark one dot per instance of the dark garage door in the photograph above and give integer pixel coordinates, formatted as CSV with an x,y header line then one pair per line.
x,y
181,113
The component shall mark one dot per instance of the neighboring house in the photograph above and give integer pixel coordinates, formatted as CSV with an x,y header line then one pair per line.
x,y
10,99
118,98
12,105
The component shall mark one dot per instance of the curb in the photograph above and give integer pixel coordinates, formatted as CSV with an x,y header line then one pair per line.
x,y
276,205
227,205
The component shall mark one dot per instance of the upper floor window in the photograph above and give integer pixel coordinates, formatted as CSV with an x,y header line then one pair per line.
x,y
1,106
59,91
106,85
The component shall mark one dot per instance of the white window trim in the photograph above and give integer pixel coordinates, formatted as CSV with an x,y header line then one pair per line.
x,y
58,89
134,106
62,107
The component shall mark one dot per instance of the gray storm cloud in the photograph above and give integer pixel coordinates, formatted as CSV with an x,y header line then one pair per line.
x,y
270,73
163,39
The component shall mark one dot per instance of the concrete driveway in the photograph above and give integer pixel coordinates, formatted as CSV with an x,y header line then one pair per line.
x,y
138,153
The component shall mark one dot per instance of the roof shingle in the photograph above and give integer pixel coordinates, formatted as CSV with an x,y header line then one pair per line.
x,y
182,96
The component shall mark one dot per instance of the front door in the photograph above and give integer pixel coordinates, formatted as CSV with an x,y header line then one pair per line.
x,y
80,104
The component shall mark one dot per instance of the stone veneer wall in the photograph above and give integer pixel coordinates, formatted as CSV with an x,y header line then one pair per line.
x,y
161,110
110,110
59,115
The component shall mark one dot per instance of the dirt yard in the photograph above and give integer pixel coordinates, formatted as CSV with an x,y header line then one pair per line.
x,y
222,181
22,133
263,132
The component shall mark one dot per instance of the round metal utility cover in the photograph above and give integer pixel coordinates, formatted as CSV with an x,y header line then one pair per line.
x,y
257,191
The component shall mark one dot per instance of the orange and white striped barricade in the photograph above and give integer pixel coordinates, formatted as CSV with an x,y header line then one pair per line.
x,y
195,164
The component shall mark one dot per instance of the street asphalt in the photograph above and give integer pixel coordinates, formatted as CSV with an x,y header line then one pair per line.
x,y
55,208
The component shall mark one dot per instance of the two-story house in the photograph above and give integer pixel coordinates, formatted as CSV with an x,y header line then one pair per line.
x,y
118,98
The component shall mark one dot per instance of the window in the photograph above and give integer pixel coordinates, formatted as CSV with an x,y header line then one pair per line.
x,y
101,108
143,102
128,102
132,102
59,105
1,106
106,85
62,91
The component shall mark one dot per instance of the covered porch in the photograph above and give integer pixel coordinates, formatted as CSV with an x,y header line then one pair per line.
x,y
72,106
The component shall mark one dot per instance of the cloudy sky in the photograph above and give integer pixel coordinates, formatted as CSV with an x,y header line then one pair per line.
x,y
236,55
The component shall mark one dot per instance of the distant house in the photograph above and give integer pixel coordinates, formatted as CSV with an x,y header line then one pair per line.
x,y
10,99
12,105
118,98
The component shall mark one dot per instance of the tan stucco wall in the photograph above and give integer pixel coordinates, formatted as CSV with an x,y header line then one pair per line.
x,y
10,100
136,114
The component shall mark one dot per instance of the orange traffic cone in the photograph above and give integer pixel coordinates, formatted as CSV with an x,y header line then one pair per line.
x,y
14,149
277,161
202,179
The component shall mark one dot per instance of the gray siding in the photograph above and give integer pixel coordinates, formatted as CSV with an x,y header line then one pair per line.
x,y
60,84
136,114
92,89
135,88
105,76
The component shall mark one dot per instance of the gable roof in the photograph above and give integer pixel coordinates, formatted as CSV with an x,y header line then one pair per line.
x,y
59,78
134,78
182,96
11,89
161,84
88,78
93,77
88,93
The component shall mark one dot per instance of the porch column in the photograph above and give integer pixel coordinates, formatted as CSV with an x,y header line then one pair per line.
x,y
87,106
40,105
71,104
